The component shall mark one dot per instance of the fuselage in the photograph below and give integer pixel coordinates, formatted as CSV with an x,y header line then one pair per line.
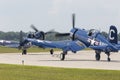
x,y
93,39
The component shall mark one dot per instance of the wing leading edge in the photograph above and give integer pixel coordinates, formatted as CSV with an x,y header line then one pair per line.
x,y
64,45
12,44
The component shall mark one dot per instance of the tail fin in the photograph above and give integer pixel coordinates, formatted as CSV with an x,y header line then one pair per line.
x,y
113,38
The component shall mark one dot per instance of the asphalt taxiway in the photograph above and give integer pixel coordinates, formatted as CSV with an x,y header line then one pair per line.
x,y
81,59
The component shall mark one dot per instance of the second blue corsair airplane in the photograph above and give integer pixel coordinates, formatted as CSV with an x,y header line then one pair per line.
x,y
82,39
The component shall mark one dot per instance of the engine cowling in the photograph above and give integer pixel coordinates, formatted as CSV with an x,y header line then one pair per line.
x,y
39,35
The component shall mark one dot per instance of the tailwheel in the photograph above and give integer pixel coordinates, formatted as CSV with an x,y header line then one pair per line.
x,y
24,52
62,56
109,59
97,56
108,54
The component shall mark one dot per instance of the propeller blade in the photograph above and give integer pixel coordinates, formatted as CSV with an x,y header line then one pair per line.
x,y
73,20
34,28
62,34
21,36
50,31
20,39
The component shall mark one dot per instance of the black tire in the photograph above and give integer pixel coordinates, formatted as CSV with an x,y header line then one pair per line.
x,y
97,56
24,52
51,51
108,54
62,56
109,59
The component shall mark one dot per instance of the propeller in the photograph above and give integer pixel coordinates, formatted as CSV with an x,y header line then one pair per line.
x,y
50,31
73,20
68,34
20,40
73,26
34,28
23,44
62,34
40,34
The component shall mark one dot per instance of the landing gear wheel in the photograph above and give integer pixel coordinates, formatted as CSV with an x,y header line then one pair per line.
x,y
24,52
108,54
109,59
62,56
97,56
51,51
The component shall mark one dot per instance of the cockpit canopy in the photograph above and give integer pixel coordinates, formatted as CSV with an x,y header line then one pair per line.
x,y
92,32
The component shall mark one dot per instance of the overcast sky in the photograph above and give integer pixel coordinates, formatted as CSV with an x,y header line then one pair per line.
x,y
16,15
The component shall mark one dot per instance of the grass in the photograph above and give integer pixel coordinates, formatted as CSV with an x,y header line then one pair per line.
x,y
15,50
22,72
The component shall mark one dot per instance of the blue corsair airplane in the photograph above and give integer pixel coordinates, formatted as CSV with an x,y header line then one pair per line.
x,y
82,39
12,44
17,44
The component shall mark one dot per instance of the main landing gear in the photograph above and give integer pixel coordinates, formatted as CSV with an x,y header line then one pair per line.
x,y
51,51
24,51
97,56
62,56
108,54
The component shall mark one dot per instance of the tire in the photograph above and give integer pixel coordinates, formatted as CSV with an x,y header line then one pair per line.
x,y
108,54
51,51
109,59
24,52
62,56
97,56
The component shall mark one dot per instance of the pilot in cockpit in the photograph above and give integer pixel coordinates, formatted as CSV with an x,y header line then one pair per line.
x,y
92,32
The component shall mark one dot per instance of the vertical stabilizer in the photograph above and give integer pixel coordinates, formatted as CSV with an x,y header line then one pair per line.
x,y
113,38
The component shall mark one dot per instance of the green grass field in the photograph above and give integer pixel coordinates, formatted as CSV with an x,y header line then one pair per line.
x,y
15,50
22,72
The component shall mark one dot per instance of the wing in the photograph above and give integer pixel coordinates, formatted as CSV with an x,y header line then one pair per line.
x,y
101,48
119,42
64,45
12,44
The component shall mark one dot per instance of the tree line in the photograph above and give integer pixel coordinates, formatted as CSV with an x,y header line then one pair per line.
x,y
9,35
16,35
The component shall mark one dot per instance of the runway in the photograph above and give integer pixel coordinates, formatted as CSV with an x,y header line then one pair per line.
x,y
81,59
